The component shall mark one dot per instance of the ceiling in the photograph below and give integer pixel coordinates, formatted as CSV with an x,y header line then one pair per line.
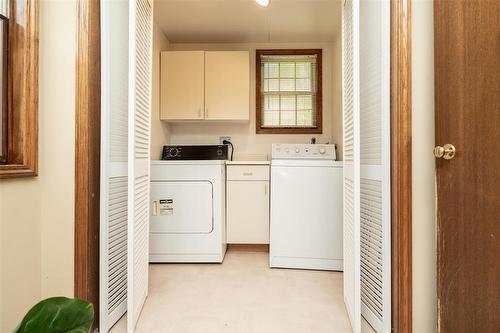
x,y
243,21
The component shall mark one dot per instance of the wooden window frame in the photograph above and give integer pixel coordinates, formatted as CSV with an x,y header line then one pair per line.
x,y
5,76
22,90
318,129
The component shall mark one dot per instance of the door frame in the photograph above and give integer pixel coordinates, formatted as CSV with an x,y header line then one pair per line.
x,y
87,159
87,153
401,168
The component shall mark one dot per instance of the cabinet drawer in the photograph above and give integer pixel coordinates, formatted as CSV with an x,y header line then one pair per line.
x,y
247,172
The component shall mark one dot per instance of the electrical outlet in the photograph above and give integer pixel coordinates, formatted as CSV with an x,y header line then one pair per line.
x,y
222,138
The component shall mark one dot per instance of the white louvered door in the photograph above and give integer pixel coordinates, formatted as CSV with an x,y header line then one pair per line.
x,y
139,156
114,157
375,163
350,109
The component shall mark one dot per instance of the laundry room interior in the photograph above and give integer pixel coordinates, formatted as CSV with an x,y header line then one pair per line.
x,y
247,175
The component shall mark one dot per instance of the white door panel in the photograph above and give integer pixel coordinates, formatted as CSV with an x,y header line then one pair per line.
x,y
182,207
247,205
375,221
114,156
140,54
351,138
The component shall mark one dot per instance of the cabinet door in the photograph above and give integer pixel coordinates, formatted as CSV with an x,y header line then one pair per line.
x,y
182,85
248,212
227,85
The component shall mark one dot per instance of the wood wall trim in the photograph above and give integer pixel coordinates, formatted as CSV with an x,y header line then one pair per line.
x,y
22,90
87,153
401,178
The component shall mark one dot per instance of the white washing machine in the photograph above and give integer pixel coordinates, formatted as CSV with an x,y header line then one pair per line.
x,y
306,207
187,211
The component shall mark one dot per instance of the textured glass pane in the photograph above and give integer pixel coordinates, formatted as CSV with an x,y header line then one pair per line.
x,y
287,70
271,118
304,102
287,85
303,85
304,118
272,85
288,118
271,102
303,70
273,70
288,103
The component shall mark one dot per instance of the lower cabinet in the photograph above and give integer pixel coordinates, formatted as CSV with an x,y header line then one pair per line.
x,y
247,204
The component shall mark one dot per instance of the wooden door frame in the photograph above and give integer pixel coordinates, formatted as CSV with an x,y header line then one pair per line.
x,y
87,166
87,153
401,169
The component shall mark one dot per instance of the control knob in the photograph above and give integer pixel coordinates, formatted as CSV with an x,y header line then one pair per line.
x,y
173,152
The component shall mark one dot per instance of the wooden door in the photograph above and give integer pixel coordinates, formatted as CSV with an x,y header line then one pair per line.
x,y
467,96
182,85
227,85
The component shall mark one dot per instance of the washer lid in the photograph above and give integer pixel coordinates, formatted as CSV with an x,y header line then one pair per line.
x,y
305,163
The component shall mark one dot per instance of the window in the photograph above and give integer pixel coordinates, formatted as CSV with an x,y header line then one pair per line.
x,y
288,91
19,73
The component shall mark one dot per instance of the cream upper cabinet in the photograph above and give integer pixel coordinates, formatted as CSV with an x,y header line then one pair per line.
x,y
182,85
199,85
227,85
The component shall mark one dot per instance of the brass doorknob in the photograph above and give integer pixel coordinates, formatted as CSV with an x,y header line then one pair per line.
x,y
447,152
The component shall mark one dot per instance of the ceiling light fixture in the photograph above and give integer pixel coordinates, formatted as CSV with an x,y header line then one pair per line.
x,y
263,3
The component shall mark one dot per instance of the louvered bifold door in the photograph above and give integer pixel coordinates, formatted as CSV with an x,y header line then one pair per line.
x,y
114,157
375,163
350,110
139,152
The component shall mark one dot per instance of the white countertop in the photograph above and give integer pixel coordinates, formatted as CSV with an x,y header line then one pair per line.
x,y
248,162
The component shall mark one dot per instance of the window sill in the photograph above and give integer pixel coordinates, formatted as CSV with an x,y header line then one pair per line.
x,y
289,130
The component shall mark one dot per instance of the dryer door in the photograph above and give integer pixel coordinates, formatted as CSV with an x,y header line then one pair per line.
x,y
182,207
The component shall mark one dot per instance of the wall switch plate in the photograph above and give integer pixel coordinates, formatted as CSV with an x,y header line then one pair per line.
x,y
222,138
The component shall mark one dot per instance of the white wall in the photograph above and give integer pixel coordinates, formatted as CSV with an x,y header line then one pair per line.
x,y
243,135
423,163
37,214
337,95
159,129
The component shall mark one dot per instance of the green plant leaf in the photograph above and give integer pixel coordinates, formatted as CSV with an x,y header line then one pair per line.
x,y
58,315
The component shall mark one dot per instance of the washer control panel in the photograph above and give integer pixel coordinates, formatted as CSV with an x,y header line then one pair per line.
x,y
304,151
